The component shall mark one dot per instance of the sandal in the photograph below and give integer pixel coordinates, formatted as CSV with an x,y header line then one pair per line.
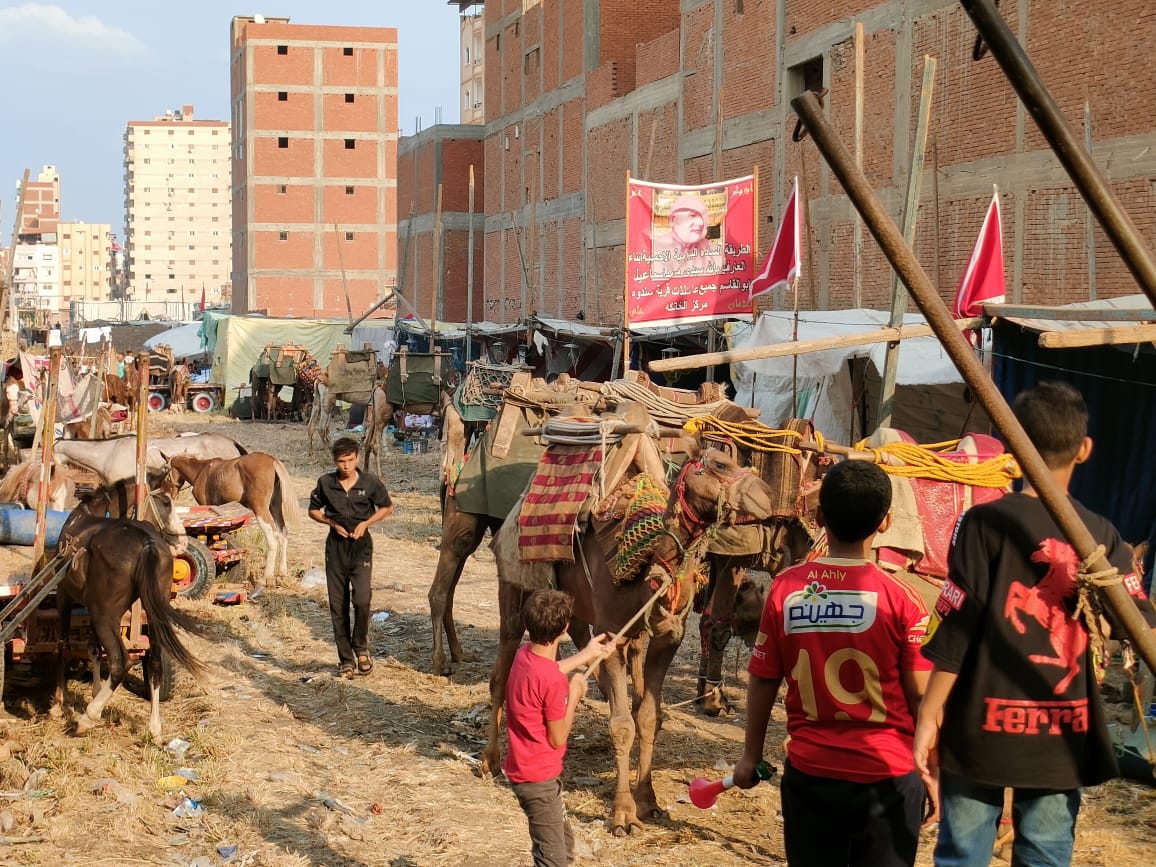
x,y
364,663
347,671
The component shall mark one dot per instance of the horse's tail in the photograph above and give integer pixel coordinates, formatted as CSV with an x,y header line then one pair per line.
x,y
283,499
154,588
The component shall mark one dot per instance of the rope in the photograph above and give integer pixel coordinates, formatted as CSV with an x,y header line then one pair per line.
x,y
1088,608
1129,659
645,609
750,435
923,462
579,431
666,412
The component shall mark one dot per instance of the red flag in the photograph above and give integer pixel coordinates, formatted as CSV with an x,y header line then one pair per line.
x,y
202,297
983,280
783,263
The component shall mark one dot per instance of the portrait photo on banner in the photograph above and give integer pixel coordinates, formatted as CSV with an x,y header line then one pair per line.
x,y
690,251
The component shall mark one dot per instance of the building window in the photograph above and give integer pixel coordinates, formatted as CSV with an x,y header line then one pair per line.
x,y
349,97
348,236
805,76
283,141
282,49
347,51
282,189
147,131
282,236
350,144
172,276
214,133
282,96
171,132
349,191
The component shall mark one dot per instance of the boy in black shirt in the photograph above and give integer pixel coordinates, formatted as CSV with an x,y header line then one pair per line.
x,y
1013,699
349,502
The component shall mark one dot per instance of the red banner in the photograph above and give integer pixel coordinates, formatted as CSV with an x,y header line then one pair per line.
x,y
689,251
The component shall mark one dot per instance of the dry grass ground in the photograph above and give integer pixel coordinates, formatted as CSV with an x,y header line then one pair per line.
x,y
274,735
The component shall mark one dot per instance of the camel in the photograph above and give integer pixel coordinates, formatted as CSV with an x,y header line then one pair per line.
x,y
710,489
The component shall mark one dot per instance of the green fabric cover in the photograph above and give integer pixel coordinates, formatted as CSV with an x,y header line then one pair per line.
x,y
419,386
489,485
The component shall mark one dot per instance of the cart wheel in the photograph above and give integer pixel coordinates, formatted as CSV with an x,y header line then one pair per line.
x,y
204,402
194,570
168,676
157,401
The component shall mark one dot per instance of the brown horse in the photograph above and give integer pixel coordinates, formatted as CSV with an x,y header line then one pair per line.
x,y
179,388
709,491
114,562
21,484
257,481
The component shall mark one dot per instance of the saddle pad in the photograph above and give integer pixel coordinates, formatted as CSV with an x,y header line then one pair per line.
x,y
557,494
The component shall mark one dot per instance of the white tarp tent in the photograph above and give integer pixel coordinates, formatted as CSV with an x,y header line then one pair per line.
x,y
824,380
184,340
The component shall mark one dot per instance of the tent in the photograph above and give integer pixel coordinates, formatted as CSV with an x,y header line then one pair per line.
x,y
240,339
839,388
1118,383
185,340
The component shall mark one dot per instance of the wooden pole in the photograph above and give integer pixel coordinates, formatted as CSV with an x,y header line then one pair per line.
x,y
341,263
910,216
863,338
470,275
935,195
1098,336
1090,225
903,260
96,389
857,238
142,431
8,291
47,436
626,286
435,287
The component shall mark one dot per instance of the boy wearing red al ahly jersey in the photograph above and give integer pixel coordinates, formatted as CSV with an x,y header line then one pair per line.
x,y
846,637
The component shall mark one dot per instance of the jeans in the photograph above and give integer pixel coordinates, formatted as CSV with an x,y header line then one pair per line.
x,y
552,842
1044,823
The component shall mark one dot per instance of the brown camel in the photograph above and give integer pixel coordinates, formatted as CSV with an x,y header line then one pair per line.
x,y
709,490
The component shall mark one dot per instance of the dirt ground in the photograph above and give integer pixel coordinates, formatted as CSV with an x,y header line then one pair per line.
x,y
297,767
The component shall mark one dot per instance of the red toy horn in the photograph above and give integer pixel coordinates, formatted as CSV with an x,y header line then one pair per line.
x,y
703,792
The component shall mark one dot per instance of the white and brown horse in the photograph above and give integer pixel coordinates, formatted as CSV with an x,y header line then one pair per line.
x,y
257,481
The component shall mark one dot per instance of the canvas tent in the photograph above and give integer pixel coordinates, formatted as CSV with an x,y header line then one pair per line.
x,y
930,401
1118,383
184,340
238,341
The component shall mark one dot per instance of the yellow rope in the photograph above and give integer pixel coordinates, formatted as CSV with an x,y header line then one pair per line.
x,y
748,434
923,462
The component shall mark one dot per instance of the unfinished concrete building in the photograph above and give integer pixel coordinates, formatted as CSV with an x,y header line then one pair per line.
x,y
579,92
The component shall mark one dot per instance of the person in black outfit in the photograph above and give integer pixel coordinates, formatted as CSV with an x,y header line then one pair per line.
x,y
349,501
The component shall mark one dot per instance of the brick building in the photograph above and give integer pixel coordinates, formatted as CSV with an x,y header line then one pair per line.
x,y
177,211
441,155
579,93
314,166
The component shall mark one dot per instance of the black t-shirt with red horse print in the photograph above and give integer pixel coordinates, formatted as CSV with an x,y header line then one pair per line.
x,y
1026,709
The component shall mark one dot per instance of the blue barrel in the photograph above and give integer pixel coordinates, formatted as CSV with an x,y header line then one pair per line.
x,y
18,526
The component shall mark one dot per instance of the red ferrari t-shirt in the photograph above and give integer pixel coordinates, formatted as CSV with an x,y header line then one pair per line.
x,y
536,691
840,632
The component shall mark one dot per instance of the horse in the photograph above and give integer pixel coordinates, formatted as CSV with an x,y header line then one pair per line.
x,y
178,388
709,490
115,459
21,484
257,481
113,562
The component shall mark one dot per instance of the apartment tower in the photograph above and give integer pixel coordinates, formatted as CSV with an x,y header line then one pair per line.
x,y
176,194
314,166
472,37
86,263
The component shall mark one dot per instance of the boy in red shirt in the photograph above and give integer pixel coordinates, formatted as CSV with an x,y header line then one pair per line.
x,y
846,637
540,708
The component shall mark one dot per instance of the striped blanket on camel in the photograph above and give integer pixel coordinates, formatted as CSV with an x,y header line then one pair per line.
x,y
556,495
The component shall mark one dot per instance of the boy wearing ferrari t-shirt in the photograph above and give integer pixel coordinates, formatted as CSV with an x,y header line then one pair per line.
x,y
1013,700
845,635
540,707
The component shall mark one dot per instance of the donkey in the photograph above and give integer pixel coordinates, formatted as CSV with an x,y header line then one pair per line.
x,y
257,481
113,563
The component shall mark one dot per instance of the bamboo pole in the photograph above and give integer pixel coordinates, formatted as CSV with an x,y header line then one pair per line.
x,y
903,259
47,436
857,238
435,288
910,216
470,275
802,347
341,263
96,389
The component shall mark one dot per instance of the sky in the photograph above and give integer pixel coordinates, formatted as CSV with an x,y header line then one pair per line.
x,y
75,72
